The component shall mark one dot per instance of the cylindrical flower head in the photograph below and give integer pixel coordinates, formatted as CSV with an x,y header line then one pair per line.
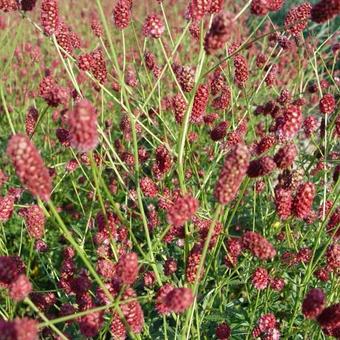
x,y
260,278
182,210
198,8
297,18
35,220
29,166
325,10
223,331
9,5
241,70
127,268
122,14
259,7
153,26
218,34
20,288
6,207
31,120
216,6
231,176
49,16
303,200
327,104
285,157
200,103
283,202
261,167
258,245
314,303
82,122
289,125
330,317
179,300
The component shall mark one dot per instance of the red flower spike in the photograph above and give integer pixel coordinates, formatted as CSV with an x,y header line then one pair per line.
x,y
303,200
313,303
29,166
82,126
232,174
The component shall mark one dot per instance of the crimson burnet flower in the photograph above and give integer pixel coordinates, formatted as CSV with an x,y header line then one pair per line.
x,y
241,70
106,268
218,82
310,125
117,327
223,331
161,305
90,324
218,34
153,26
322,274
170,266
10,269
127,268
20,288
313,303
216,6
179,300
149,279
231,176
149,187
333,257
97,28
185,76
85,61
260,278
304,255
261,60
29,166
6,207
179,107
19,329
277,284
325,10
132,311
265,144
64,39
288,125
285,156
303,200
63,136
163,162
330,317
275,5
285,97
283,202
272,73
43,300
219,131
182,210
98,65
259,7
198,8
297,18
333,223
49,16
31,120
193,262
258,245
261,167
266,322
234,248
122,14
200,103
327,104
82,126
9,5
34,219
222,102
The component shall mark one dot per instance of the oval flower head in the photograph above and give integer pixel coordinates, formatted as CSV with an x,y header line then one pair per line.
x,y
82,122
29,166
